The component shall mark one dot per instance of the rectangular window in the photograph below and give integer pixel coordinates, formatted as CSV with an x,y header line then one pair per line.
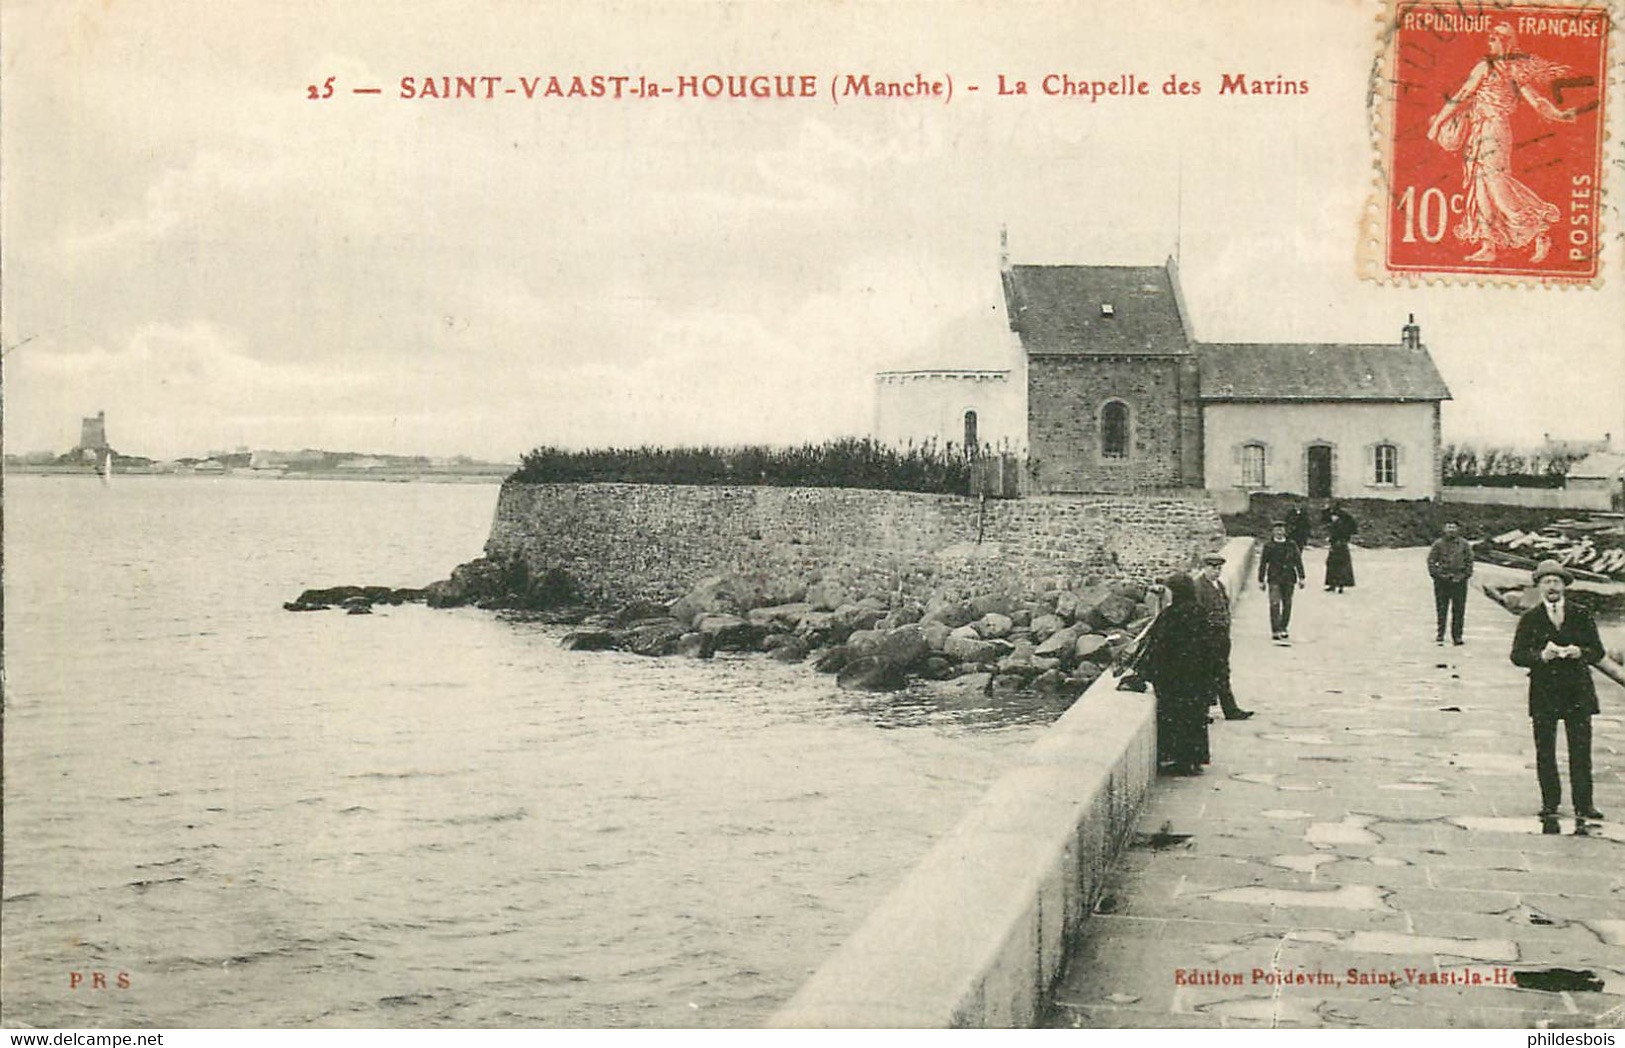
x,y
1252,466
1387,464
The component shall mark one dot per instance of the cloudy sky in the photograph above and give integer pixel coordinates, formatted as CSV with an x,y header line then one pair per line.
x,y
193,245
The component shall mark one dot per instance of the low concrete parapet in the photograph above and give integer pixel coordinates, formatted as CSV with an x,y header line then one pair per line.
x,y
976,934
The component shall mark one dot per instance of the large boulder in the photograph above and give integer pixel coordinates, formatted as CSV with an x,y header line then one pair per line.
x,y
1024,661
905,646
735,595
819,628
783,590
972,683
871,674
1050,682
639,611
951,613
970,649
696,645
993,625
1058,643
779,616
655,638
865,643
712,596
992,604
1129,590
588,640
728,632
1093,647
477,580
1114,610
833,660
853,617
936,635
1044,626
793,649
553,588
908,613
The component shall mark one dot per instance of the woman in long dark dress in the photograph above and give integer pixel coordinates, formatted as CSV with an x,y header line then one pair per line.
x,y
1175,662
1340,527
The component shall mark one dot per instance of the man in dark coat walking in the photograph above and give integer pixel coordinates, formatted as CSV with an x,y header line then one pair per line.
x,y
1558,643
1280,570
1215,604
1450,562
1299,528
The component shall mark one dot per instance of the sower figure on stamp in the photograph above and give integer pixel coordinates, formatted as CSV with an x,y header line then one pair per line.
x,y
1450,562
1558,643
1215,604
1499,211
1280,568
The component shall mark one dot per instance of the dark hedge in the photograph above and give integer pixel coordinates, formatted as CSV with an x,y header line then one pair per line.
x,y
848,463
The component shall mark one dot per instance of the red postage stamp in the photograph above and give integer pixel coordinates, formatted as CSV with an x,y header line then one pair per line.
x,y
1494,139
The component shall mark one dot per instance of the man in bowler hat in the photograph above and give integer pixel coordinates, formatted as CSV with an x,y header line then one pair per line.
x,y
1215,604
1558,643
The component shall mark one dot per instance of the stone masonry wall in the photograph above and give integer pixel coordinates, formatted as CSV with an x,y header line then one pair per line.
x,y
1065,396
629,541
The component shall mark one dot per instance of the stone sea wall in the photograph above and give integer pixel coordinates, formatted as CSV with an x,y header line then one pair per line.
x,y
622,543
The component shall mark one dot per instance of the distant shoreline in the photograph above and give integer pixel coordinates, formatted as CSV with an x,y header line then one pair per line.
x,y
430,476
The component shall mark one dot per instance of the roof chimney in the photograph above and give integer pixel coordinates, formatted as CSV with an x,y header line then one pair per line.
x,y
1411,335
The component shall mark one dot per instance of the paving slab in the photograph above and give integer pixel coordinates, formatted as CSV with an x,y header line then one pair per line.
x,y
1365,851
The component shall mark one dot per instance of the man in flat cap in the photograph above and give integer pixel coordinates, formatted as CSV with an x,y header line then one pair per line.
x,y
1280,570
1450,562
1214,603
1558,643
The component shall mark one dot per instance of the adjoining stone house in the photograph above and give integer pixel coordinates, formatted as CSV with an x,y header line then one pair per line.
x,y
1120,397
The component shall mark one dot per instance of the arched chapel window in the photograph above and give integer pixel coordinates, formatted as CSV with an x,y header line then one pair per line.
x,y
1114,430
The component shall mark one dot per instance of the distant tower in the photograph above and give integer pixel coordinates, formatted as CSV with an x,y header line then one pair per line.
x,y
93,432
1411,334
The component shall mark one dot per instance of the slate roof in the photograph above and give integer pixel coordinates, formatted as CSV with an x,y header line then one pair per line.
x,y
1322,371
1057,309
1060,310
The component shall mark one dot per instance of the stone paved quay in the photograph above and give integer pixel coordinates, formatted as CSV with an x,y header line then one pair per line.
x,y
1378,814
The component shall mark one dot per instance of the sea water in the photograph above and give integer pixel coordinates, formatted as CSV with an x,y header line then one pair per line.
x,y
220,813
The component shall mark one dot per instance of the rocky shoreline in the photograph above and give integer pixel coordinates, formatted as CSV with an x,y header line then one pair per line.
x,y
1054,643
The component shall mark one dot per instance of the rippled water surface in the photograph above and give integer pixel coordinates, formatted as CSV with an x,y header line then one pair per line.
x,y
414,818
